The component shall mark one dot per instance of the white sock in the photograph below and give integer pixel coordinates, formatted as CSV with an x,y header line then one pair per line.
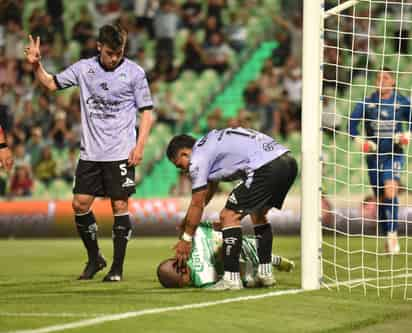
x,y
231,276
265,269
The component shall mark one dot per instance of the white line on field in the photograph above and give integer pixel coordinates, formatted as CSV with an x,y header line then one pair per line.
x,y
126,315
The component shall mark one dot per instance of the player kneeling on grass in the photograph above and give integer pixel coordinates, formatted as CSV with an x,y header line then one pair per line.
x,y
384,115
266,170
205,266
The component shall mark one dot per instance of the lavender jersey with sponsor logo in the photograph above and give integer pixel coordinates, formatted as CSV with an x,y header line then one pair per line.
x,y
230,154
109,103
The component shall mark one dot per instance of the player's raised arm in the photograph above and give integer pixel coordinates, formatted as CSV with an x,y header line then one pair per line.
x,y
33,56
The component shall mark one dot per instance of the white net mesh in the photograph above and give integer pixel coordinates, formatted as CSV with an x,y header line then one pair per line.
x,y
366,151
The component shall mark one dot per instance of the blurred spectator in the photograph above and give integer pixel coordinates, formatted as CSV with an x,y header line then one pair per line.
x,y
193,55
270,81
144,11
169,111
164,70
35,145
211,27
213,121
192,14
236,32
282,52
69,167
290,121
46,169
331,120
143,61
89,48
293,82
21,158
166,22
21,184
59,132
83,29
294,28
103,12
215,8
217,53
55,11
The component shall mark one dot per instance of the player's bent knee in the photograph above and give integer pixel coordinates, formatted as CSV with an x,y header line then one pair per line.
x,y
119,206
229,218
80,207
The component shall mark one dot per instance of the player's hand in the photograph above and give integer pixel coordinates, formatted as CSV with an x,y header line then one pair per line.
x,y
366,146
402,138
182,250
6,158
32,51
135,156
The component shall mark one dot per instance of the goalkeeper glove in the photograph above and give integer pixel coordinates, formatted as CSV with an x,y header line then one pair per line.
x,y
366,146
402,138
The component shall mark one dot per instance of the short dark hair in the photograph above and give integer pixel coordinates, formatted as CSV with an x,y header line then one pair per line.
x,y
112,35
168,275
179,142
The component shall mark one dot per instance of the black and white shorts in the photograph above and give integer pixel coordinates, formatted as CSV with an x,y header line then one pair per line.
x,y
114,180
267,187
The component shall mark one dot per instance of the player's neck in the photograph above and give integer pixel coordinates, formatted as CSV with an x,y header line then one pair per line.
x,y
102,65
386,94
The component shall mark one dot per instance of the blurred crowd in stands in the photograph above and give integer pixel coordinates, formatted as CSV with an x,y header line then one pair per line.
x,y
44,130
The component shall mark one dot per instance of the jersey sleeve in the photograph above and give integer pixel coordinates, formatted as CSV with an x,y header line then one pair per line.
x,y
142,93
355,118
198,171
69,77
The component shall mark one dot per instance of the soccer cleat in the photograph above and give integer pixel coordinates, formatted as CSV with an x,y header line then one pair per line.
x,y
92,267
392,244
223,284
285,265
112,277
265,280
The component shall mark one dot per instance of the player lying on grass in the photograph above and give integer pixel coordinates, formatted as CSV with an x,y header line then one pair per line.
x,y
205,265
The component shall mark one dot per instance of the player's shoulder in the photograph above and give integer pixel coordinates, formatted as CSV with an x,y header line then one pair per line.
x,y
134,68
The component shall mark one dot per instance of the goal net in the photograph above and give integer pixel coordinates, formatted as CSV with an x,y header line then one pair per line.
x,y
366,151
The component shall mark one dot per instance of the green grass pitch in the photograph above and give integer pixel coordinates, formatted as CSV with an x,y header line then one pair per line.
x,y
38,289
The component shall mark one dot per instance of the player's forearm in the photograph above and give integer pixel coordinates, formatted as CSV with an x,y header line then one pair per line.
x,y
45,78
193,217
145,126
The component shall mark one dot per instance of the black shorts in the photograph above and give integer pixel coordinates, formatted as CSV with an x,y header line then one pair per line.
x,y
266,188
114,180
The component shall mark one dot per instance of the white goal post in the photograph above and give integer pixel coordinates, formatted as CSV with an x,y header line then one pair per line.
x,y
356,151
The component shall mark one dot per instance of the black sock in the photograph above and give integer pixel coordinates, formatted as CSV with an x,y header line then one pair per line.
x,y
87,229
232,243
122,231
264,240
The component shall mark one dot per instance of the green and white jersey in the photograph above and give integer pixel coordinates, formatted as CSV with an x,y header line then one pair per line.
x,y
205,260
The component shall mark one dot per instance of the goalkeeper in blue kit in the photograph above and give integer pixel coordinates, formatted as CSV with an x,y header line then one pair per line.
x,y
205,266
386,116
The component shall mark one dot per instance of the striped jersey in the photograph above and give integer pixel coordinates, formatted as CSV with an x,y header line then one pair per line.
x,y
205,263
109,101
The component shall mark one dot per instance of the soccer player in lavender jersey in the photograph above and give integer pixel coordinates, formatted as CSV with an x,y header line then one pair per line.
x,y
266,170
113,89
384,115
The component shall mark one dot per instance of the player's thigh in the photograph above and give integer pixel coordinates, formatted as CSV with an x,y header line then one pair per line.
x,y
118,179
88,178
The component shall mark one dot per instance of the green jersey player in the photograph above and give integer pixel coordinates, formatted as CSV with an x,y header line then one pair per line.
x,y
205,265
